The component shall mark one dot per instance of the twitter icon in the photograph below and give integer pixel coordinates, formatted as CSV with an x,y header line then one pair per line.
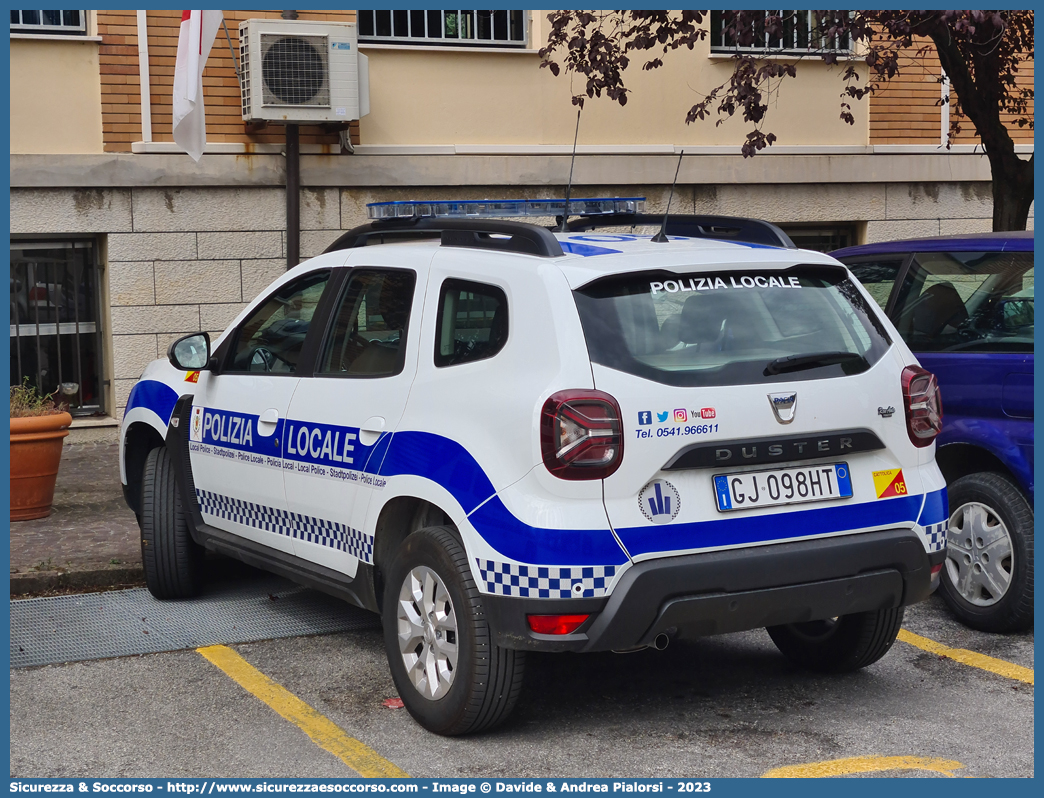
x,y
662,416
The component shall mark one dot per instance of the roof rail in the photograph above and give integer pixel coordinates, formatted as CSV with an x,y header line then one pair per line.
x,y
723,228
505,236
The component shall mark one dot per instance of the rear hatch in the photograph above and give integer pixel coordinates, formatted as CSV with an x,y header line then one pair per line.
x,y
759,405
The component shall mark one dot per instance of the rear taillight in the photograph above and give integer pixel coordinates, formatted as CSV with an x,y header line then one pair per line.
x,y
923,405
555,624
581,435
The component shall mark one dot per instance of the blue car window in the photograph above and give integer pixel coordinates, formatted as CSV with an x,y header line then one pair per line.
x,y
968,301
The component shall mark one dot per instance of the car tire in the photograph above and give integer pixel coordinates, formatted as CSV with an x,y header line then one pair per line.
x,y
839,645
987,578
172,560
452,678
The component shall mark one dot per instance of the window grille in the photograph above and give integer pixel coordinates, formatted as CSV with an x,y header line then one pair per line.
x,y
801,34
505,28
64,22
55,322
821,238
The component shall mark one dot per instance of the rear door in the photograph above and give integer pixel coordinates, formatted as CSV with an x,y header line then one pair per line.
x,y
340,420
750,407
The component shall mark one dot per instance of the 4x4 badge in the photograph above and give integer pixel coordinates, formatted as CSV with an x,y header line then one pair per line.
x,y
783,405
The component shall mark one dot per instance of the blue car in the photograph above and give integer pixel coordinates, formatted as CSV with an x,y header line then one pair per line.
x,y
964,305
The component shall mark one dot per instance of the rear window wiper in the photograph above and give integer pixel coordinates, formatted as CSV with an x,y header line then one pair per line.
x,y
781,365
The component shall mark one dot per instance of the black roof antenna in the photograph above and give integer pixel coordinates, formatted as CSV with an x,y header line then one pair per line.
x,y
565,213
661,237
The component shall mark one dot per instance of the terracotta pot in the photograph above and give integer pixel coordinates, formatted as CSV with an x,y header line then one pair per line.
x,y
36,450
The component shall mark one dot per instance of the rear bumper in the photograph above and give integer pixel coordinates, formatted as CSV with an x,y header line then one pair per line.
x,y
731,591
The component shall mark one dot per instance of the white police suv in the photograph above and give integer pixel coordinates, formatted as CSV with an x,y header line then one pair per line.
x,y
506,439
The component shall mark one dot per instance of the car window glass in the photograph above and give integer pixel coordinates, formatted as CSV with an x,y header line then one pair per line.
x,y
731,328
472,322
877,277
272,337
968,301
368,338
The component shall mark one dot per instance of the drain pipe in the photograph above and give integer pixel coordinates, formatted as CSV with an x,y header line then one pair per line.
x,y
293,186
293,196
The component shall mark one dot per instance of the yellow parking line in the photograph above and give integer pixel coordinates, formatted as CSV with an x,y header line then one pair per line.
x,y
863,764
999,666
324,733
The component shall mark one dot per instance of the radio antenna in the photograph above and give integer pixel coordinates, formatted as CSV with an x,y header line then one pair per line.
x,y
661,237
565,213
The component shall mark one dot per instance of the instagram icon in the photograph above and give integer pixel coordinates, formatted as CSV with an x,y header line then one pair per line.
x,y
680,416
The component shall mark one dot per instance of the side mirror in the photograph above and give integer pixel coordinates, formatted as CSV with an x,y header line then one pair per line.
x,y
191,353
1015,314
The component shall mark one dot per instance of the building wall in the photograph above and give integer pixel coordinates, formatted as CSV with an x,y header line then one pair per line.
x,y
121,84
464,96
476,97
55,96
905,109
431,97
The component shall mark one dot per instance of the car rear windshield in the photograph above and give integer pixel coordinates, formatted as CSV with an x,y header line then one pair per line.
x,y
731,328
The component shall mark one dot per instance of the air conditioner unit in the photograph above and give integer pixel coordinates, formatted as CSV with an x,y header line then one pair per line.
x,y
301,72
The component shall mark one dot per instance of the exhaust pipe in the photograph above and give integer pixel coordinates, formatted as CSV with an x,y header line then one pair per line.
x,y
659,642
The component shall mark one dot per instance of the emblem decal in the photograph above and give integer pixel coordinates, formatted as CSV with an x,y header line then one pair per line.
x,y
196,427
889,483
659,501
783,405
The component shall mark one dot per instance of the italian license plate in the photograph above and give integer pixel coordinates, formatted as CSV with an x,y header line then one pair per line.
x,y
818,483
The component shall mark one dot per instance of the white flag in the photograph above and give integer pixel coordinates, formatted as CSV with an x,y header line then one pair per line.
x,y
198,30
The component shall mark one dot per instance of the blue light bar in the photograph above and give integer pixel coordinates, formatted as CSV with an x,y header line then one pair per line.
x,y
499,209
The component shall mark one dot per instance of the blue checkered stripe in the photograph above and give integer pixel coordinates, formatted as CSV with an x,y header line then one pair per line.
x,y
545,581
294,525
936,534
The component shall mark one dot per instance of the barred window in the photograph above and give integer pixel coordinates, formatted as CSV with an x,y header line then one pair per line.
x,y
802,33
504,28
64,22
56,323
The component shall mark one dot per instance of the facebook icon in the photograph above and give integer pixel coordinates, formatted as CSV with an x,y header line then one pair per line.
x,y
644,417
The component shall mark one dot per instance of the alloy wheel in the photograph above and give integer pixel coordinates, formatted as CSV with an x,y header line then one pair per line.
x,y
427,631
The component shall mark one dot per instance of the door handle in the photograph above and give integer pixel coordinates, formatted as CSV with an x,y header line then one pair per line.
x,y
371,430
267,422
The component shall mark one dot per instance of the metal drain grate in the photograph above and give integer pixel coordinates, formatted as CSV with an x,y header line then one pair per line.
x,y
125,622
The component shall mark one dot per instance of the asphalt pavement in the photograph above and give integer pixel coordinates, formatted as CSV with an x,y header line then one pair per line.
x,y
721,706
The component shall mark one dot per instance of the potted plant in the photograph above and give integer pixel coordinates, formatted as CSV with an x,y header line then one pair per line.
x,y
38,427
